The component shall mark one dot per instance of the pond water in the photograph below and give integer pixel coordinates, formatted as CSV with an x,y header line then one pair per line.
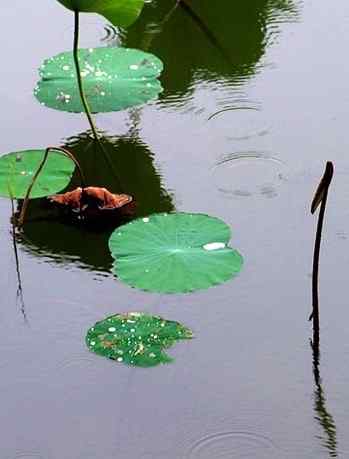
x,y
244,387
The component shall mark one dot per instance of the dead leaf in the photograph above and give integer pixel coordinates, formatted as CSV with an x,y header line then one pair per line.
x,y
107,199
92,196
71,198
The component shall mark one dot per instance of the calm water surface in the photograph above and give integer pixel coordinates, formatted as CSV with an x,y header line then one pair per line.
x,y
244,388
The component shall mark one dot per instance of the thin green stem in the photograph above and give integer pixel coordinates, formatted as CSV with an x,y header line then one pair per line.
x,y
78,76
67,153
36,175
84,100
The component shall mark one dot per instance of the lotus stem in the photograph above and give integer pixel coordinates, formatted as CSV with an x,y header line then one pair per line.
x,y
36,175
67,153
320,197
78,76
84,99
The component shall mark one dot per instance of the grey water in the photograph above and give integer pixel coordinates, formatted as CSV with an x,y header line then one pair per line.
x,y
245,386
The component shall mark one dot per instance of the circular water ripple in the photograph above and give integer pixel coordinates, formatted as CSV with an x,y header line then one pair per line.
x,y
112,36
249,173
28,455
234,445
245,122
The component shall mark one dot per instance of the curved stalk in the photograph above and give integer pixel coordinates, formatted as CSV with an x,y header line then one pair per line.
x,y
320,198
67,153
78,76
36,175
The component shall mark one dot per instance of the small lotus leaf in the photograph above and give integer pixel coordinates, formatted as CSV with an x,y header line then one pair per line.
x,y
119,12
17,170
135,338
113,79
174,253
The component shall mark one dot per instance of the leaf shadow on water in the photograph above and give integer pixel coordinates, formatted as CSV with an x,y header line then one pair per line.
x,y
209,45
54,236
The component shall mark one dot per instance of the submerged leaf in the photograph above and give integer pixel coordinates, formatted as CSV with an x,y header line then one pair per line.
x,y
172,253
18,169
135,338
113,79
80,198
119,12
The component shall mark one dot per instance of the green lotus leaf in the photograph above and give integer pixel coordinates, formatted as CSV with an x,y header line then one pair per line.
x,y
135,338
174,253
113,79
119,12
17,170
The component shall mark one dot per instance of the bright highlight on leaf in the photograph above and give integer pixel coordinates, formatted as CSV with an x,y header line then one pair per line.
x,y
119,12
113,79
172,253
135,338
18,169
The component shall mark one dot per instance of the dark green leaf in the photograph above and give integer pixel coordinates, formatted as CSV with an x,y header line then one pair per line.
x,y
135,338
119,12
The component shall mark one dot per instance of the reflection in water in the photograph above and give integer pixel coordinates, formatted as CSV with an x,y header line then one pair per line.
x,y
49,235
242,29
325,419
19,292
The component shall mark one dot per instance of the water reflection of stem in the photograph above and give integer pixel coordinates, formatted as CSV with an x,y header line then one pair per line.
x,y
322,415
320,197
36,175
19,295
188,8
148,38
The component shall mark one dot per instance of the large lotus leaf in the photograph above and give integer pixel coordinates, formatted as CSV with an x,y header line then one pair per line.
x,y
17,170
135,338
119,12
171,253
113,79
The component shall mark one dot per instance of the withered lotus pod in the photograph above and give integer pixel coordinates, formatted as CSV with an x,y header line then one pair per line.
x,y
82,198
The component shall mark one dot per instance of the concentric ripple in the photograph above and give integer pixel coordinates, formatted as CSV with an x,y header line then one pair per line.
x,y
234,445
27,455
245,122
249,173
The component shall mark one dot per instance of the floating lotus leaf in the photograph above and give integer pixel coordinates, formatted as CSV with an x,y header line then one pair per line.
x,y
113,79
135,338
119,12
171,253
17,170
